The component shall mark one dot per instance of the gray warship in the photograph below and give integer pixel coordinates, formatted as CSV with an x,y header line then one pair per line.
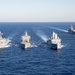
x,y
54,41
71,29
25,41
3,41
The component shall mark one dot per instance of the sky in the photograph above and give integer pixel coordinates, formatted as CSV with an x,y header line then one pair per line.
x,y
37,10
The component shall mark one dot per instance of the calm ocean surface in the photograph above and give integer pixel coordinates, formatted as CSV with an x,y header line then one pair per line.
x,y
40,60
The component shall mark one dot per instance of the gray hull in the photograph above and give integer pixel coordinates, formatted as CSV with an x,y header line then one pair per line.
x,y
23,46
71,31
54,46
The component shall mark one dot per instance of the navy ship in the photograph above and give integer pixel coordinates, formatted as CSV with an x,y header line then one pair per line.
x,y
54,42
25,41
3,41
71,29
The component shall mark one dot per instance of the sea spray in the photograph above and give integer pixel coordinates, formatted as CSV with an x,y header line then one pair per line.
x,y
9,45
34,45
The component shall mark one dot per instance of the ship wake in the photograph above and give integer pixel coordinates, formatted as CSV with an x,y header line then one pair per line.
x,y
58,29
63,45
42,35
33,45
9,45
10,37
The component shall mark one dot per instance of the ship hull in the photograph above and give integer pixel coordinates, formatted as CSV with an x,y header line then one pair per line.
x,y
54,46
70,31
24,46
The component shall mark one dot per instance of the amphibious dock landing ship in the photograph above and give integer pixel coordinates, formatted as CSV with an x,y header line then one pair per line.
x,y
54,41
25,41
3,41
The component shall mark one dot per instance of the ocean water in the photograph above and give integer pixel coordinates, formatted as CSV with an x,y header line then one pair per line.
x,y
40,59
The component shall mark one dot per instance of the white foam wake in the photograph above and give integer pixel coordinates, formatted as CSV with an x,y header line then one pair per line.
x,y
42,35
10,37
8,45
33,45
59,29
63,45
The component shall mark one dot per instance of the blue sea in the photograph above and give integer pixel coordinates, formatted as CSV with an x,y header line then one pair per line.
x,y
40,59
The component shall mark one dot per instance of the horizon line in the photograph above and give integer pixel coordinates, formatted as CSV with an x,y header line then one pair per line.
x,y
46,22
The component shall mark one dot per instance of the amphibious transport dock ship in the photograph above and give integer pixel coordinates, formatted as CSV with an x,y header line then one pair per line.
x,y
3,41
54,41
71,29
25,41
